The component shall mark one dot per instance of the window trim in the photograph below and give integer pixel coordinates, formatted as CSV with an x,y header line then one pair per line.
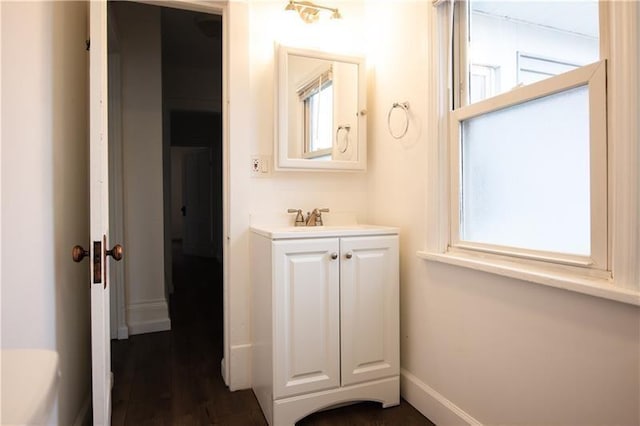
x,y
314,87
620,23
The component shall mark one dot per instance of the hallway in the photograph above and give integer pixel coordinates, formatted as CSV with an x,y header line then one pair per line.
x,y
173,378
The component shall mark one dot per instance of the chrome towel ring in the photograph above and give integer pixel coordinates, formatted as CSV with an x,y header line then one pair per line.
x,y
405,107
345,138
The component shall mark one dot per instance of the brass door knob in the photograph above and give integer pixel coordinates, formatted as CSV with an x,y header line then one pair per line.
x,y
78,253
116,252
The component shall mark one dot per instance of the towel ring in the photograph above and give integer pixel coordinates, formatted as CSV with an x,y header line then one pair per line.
x,y
347,130
405,107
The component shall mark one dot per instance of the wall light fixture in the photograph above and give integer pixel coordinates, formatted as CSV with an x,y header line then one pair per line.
x,y
310,12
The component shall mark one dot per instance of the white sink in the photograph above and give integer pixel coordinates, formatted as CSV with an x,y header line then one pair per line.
x,y
286,232
29,385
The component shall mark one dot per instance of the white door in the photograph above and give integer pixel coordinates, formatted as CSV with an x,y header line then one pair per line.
x,y
99,194
307,317
197,203
369,306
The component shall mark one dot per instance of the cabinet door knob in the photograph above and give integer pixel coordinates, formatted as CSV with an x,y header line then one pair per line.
x,y
334,256
349,255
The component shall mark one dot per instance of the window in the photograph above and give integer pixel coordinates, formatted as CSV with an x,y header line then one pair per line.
x,y
317,99
532,171
528,143
526,40
538,180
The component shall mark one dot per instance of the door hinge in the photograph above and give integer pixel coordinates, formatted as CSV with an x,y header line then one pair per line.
x,y
88,44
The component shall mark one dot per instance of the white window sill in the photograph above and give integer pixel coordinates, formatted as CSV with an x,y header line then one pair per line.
x,y
593,286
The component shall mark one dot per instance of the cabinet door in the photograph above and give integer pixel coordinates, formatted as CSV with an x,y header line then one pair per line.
x,y
369,308
306,316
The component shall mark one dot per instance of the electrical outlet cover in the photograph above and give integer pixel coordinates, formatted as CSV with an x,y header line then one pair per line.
x,y
255,164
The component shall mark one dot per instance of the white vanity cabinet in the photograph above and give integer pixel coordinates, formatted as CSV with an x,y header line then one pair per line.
x,y
325,319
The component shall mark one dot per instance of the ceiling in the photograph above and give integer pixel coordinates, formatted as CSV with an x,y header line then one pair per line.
x,y
191,39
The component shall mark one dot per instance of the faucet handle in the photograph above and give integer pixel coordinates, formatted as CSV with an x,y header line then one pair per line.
x,y
319,215
299,218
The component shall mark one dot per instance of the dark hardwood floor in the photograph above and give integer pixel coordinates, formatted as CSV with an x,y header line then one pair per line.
x,y
173,377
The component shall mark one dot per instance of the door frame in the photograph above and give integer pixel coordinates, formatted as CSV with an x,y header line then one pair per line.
x,y
220,8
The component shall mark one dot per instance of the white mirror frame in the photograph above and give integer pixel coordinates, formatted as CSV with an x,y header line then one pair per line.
x,y
283,162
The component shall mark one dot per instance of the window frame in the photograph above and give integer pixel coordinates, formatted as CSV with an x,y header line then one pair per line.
x,y
620,45
314,87
594,77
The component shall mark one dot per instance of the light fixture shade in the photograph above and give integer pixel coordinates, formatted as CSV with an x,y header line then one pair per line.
x,y
309,12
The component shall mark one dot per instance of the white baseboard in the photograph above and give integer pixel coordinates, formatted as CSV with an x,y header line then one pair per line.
x,y
123,332
240,367
82,418
432,404
148,317
223,372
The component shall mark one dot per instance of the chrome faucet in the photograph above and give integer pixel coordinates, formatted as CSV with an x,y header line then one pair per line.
x,y
315,217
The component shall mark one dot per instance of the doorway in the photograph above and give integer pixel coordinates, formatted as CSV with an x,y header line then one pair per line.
x,y
166,167
196,175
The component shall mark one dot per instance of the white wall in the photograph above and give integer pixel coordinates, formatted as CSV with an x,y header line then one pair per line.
x,y
253,28
45,205
140,49
504,351
501,349
340,191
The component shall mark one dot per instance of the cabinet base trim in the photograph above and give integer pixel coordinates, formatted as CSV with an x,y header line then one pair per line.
x,y
289,410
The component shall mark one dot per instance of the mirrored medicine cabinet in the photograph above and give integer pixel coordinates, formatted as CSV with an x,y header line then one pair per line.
x,y
321,111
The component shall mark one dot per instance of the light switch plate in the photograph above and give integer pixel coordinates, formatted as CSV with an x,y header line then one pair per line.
x,y
260,166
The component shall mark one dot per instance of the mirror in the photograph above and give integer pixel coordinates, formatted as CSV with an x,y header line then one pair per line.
x,y
320,117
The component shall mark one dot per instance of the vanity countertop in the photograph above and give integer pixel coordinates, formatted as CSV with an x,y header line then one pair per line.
x,y
288,232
